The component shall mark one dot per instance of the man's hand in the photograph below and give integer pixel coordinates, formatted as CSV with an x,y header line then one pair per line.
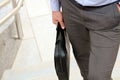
x,y
57,17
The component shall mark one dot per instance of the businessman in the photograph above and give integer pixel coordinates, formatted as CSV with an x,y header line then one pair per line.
x,y
93,27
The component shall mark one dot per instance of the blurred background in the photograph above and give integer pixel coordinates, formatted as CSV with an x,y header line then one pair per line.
x,y
27,41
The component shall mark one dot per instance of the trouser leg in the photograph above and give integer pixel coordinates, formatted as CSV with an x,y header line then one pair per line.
x,y
79,38
103,53
78,35
104,40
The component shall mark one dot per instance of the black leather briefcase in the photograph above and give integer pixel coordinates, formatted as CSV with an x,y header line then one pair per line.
x,y
62,54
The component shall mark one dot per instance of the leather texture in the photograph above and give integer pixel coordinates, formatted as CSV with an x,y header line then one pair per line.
x,y
62,54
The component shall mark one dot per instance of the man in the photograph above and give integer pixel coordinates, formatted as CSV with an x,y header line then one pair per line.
x,y
93,28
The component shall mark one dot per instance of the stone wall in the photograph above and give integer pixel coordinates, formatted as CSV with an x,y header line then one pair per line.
x,y
9,45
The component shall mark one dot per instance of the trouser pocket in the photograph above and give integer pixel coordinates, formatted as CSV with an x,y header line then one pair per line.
x,y
102,18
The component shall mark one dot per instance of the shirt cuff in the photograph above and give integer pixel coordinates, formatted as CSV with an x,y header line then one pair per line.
x,y
55,5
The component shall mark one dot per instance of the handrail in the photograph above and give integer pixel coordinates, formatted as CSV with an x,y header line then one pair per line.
x,y
11,13
3,3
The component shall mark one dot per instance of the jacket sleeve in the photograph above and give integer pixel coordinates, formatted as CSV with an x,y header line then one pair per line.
x,y
55,5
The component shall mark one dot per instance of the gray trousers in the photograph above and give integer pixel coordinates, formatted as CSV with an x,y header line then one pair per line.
x,y
94,33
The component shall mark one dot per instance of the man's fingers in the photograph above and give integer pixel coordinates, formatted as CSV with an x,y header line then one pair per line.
x,y
55,22
57,17
62,24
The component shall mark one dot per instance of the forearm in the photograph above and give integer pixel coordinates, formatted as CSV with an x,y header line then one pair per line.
x,y
55,5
